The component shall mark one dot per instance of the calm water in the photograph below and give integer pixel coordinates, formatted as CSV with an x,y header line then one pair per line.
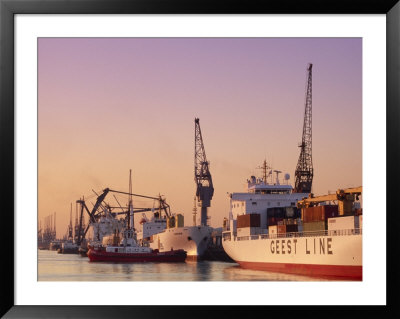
x,y
58,267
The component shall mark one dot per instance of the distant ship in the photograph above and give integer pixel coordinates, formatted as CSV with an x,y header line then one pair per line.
x,y
55,245
169,233
68,247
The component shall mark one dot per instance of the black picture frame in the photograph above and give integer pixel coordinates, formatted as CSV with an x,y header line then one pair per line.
x,y
8,10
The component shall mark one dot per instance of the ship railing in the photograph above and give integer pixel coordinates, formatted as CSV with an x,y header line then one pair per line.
x,y
341,232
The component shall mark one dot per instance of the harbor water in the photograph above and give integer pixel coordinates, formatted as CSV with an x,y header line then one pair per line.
x,y
72,267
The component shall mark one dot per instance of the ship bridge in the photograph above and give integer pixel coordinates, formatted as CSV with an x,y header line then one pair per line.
x,y
259,186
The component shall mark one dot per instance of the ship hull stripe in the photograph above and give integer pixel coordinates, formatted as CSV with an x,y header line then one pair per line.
x,y
321,271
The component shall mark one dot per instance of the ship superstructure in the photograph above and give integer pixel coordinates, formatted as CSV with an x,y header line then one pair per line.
x,y
271,201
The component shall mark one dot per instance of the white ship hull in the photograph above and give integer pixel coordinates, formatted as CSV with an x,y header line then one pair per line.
x,y
327,255
193,239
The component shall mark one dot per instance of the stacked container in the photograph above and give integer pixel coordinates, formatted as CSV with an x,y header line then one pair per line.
x,y
292,228
248,220
271,221
281,229
344,223
319,213
273,230
248,225
314,226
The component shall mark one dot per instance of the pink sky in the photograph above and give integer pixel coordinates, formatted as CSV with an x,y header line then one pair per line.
x,y
109,105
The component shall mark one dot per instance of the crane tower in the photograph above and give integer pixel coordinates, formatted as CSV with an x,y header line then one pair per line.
x,y
202,175
304,170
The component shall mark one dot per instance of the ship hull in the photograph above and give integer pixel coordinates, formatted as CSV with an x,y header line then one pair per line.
x,y
335,257
193,239
170,256
319,271
68,250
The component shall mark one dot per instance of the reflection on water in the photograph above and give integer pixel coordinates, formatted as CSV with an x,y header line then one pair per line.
x,y
59,267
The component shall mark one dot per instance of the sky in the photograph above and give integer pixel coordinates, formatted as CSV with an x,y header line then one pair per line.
x,y
108,105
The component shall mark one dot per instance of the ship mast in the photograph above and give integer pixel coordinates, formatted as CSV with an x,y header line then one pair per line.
x,y
70,236
130,207
304,170
194,212
264,168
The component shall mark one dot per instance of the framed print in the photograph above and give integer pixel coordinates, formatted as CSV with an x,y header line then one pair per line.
x,y
104,106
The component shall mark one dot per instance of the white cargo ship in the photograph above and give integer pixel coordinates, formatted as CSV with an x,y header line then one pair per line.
x,y
271,228
167,234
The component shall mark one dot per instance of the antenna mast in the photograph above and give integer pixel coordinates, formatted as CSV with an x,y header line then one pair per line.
x,y
264,168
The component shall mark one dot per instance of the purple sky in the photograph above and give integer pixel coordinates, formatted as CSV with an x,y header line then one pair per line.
x,y
107,105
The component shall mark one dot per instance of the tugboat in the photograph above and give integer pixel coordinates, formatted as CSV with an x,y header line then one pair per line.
x,y
129,251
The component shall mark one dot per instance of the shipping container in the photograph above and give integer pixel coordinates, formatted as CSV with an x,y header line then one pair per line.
x,y
345,208
343,223
289,221
271,221
314,226
292,228
248,231
319,213
272,230
248,220
281,229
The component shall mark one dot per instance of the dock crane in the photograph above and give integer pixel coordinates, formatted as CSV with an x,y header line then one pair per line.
x,y
94,213
202,175
304,170
344,197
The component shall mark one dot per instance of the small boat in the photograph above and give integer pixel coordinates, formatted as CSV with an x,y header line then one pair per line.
x,y
129,251
68,247
55,245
